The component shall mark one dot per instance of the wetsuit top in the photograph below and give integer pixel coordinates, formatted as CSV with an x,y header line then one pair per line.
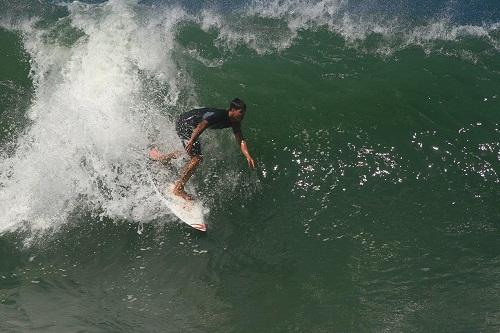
x,y
216,118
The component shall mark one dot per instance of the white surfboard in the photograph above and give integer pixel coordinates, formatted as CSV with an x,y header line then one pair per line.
x,y
190,212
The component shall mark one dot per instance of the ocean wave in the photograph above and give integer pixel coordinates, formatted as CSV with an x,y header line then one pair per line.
x,y
108,80
355,26
90,125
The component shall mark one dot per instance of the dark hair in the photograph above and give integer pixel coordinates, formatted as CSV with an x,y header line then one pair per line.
x,y
238,104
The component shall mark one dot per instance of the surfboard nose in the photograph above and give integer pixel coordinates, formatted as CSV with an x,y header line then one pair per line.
x,y
199,226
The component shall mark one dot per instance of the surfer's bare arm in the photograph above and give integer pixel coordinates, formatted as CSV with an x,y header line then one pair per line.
x,y
196,133
244,149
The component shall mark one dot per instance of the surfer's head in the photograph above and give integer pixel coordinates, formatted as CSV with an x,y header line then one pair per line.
x,y
237,109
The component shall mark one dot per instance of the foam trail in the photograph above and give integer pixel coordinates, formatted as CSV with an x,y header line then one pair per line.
x,y
86,143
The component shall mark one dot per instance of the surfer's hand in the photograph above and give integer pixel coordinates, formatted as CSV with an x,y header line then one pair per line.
x,y
251,163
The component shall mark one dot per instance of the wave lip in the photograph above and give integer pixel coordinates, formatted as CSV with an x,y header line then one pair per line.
x,y
398,27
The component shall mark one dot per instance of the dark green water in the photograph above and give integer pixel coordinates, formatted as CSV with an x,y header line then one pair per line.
x,y
374,207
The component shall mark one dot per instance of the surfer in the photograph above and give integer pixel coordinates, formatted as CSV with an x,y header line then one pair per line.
x,y
189,127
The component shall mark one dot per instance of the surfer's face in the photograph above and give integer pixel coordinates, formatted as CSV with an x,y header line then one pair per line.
x,y
237,114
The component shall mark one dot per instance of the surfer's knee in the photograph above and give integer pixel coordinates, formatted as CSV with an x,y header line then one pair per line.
x,y
197,159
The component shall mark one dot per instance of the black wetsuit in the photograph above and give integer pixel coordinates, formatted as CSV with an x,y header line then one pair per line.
x,y
216,118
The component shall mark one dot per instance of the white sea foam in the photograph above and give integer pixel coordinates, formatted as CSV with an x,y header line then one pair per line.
x,y
86,144
233,33
355,26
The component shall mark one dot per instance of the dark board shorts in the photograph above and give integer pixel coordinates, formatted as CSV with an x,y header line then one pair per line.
x,y
184,132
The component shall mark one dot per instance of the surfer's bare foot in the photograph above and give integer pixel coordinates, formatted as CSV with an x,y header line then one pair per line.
x,y
182,194
156,155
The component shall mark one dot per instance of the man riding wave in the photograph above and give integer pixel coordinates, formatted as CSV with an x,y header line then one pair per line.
x,y
190,125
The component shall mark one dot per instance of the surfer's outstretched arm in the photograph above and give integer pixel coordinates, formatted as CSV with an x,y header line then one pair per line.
x,y
244,149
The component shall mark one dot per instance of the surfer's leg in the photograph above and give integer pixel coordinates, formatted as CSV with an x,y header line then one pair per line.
x,y
188,170
186,173
156,155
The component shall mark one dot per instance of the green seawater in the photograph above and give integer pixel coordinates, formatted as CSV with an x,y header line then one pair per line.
x,y
374,206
